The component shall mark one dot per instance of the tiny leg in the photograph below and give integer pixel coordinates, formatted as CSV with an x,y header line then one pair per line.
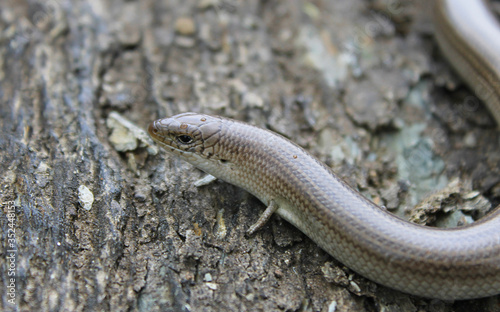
x,y
264,217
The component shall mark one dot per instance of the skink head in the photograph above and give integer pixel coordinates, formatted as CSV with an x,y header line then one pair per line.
x,y
191,136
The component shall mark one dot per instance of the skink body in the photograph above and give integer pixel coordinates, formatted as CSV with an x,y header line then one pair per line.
x,y
446,264
449,264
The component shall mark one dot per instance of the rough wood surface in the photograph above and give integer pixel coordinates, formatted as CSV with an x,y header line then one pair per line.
x,y
358,83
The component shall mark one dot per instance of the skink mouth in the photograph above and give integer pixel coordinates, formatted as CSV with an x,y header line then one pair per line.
x,y
159,138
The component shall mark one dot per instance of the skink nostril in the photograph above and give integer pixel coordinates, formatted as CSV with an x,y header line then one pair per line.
x,y
152,129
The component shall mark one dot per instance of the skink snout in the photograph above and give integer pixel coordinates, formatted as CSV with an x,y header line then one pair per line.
x,y
153,129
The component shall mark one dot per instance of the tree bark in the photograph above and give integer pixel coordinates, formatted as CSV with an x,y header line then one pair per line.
x,y
105,221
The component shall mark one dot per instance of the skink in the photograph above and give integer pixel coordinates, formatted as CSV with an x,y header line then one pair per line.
x,y
450,264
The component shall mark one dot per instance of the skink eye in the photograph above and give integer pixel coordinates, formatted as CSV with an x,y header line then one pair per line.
x,y
184,139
